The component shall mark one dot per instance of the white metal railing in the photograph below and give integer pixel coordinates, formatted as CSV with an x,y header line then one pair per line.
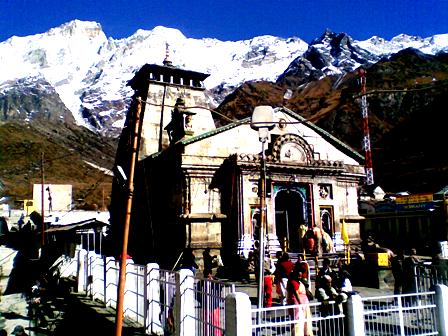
x,y
427,276
306,319
162,302
166,281
407,314
210,298
167,302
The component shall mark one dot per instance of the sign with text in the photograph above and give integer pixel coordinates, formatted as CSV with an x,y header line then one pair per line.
x,y
414,202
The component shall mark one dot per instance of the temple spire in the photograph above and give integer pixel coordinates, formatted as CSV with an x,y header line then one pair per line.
x,y
167,61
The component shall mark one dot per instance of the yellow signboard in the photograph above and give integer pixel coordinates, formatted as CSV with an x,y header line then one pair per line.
x,y
417,198
383,259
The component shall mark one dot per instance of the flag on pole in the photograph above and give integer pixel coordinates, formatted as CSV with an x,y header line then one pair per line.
x,y
344,233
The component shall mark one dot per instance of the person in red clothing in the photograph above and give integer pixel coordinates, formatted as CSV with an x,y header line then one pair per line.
x,y
282,272
302,265
269,269
300,312
267,289
310,242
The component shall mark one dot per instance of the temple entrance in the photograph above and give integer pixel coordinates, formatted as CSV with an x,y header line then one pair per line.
x,y
289,214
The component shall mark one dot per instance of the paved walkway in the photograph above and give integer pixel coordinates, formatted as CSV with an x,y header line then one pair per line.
x,y
251,290
75,314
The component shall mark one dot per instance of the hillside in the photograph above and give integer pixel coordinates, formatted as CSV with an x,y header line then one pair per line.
x,y
407,101
72,155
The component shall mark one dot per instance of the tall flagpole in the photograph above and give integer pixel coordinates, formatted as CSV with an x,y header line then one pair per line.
x,y
42,195
124,252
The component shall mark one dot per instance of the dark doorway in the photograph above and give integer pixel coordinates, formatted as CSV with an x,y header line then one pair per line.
x,y
289,214
327,219
256,221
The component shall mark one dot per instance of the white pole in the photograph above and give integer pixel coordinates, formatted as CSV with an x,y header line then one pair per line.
x,y
262,226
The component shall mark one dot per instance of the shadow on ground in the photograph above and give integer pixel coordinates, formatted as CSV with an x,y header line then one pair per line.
x,y
83,316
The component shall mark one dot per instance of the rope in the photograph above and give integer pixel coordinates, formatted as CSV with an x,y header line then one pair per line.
x,y
372,92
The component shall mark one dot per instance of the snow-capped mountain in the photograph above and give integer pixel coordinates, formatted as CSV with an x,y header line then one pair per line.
x,y
337,53
380,47
89,71
331,54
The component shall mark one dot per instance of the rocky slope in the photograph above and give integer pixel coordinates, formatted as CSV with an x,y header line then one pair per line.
x,y
72,155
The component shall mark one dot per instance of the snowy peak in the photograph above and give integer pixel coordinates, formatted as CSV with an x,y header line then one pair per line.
x,y
339,52
381,47
77,28
89,71
330,54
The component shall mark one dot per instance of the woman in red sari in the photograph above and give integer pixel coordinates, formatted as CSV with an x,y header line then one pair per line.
x,y
300,313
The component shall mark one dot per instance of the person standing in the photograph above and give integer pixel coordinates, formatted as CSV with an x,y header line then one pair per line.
x,y
189,261
282,272
300,313
208,261
397,272
269,269
302,237
303,265
310,242
410,264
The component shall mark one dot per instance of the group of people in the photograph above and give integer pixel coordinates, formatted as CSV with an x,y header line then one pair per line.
x,y
403,271
188,261
315,240
292,283
333,285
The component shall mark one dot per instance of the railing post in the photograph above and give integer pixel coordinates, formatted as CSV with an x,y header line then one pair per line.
x,y
81,271
177,306
442,308
104,258
238,315
187,303
355,316
129,292
111,282
97,277
145,296
153,324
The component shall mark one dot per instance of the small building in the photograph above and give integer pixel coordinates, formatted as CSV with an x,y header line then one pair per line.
x,y
197,185
407,220
57,197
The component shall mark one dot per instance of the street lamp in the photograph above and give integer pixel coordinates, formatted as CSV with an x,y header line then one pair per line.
x,y
262,121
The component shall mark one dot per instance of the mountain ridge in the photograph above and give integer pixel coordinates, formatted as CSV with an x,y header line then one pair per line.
x,y
89,71
56,82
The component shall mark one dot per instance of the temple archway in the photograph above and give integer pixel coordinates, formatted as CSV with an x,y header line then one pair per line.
x,y
289,214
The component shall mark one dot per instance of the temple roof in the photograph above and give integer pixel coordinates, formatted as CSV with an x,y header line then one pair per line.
x,y
152,72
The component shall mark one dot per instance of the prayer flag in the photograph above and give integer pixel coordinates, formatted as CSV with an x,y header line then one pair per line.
x,y
344,233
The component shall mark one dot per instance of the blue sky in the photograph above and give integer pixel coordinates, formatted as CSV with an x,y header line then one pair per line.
x,y
232,20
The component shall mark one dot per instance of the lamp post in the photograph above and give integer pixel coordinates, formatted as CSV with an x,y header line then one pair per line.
x,y
262,121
